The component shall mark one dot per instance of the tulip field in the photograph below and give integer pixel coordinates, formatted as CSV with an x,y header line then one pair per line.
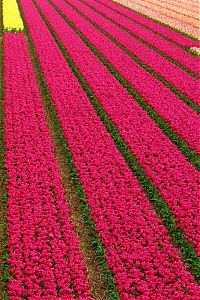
x,y
100,150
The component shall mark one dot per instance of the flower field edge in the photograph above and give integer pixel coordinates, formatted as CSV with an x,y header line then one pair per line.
x,y
96,244
135,37
161,23
196,52
186,150
188,253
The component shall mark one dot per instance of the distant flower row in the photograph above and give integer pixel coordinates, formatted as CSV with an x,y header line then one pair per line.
x,y
167,104
105,18
11,16
184,16
45,260
152,25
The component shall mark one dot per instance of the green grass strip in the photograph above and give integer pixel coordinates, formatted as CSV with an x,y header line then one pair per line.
x,y
194,52
159,22
187,252
184,98
3,192
191,73
69,161
13,30
186,150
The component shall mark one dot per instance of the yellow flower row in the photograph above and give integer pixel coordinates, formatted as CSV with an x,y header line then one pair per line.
x,y
11,16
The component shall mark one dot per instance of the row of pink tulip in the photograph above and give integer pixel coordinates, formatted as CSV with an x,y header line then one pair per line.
x,y
172,109
161,160
159,64
45,260
143,52
138,249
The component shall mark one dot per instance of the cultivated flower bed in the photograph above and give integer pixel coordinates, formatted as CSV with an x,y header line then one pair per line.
x,y
105,101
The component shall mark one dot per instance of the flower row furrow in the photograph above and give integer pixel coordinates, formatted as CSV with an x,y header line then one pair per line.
x,y
169,106
179,55
137,245
158,64
160,159
45,260
151,24
11,16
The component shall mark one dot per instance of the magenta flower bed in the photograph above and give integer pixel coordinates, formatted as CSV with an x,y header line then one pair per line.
x,y
171,108
155,40
172,35
180,79
160,159
45,260
138,249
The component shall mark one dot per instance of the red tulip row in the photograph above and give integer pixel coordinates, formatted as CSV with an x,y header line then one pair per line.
x,y
138,249
176,179
45,260
148,56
